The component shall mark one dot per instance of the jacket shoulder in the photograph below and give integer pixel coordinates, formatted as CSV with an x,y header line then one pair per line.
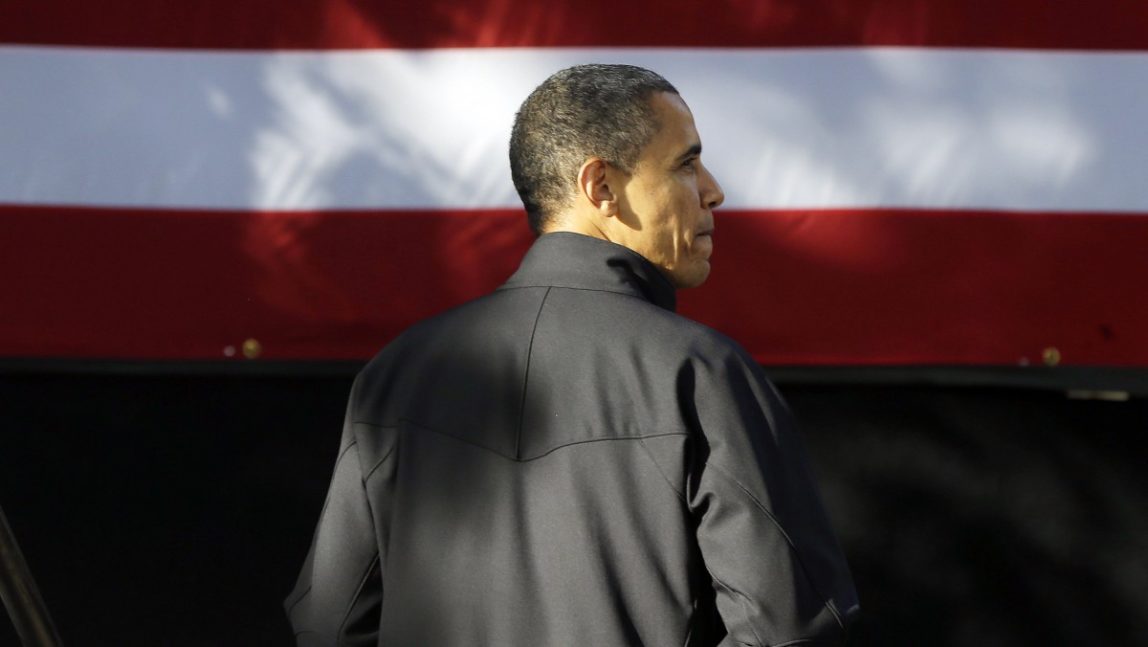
x,y
694,340
460,361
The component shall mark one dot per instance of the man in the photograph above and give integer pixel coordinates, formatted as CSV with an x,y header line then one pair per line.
x,y
566,461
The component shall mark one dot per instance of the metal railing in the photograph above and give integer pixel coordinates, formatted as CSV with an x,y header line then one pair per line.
x,y
21,597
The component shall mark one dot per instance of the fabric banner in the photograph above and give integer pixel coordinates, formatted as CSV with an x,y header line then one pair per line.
x,y
907,182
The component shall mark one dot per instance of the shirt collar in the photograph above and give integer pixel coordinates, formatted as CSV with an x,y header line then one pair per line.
x,y
569,260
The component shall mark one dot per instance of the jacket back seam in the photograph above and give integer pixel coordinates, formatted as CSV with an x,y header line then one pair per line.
x,y
650,455
379,463
635,294
398,423
526,375
358,592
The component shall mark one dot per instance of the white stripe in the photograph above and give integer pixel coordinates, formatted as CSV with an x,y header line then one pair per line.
x,y
892,127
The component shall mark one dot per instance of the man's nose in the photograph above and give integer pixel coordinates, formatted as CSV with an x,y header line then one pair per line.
x,y
710,191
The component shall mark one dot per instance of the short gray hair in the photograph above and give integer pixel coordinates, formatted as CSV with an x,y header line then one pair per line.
x,y
578,113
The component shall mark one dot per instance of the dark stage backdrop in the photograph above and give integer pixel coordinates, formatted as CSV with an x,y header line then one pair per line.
x,y
176,510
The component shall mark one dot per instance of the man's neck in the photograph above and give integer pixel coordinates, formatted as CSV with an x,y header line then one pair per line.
x,y
576,223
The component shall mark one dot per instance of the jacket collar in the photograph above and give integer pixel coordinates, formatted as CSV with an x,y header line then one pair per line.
x,y
569,260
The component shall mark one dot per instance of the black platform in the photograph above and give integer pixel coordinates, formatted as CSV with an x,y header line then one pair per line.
x,y
173,509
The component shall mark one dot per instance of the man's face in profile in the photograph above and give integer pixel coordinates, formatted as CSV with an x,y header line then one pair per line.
x,y
669,198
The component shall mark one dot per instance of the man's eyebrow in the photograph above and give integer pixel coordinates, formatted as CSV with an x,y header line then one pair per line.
x,y
692,151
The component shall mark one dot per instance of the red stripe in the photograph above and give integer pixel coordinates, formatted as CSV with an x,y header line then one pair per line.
x,y
938,287
414,24
808,287
175,284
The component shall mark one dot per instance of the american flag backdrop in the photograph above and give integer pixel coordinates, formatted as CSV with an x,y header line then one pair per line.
x,y
907,181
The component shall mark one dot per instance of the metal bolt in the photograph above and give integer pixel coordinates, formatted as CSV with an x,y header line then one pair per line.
x,y
252,348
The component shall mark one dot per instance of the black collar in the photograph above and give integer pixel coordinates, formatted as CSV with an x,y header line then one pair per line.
x,y
569,260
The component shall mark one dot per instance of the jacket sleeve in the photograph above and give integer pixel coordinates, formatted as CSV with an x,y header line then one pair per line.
x,y
338,596
778,573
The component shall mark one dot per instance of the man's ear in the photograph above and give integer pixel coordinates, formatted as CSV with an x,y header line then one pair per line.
x,y
593,186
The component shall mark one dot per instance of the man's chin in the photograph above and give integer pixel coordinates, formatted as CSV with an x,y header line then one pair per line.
x,y
694,277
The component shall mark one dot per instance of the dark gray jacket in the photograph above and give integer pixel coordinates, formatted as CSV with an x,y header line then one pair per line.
x,y
568,462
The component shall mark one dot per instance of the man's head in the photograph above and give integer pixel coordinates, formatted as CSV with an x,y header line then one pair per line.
x,y
611,151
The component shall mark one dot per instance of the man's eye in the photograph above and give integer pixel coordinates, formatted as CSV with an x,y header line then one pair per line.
x,y
690,162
